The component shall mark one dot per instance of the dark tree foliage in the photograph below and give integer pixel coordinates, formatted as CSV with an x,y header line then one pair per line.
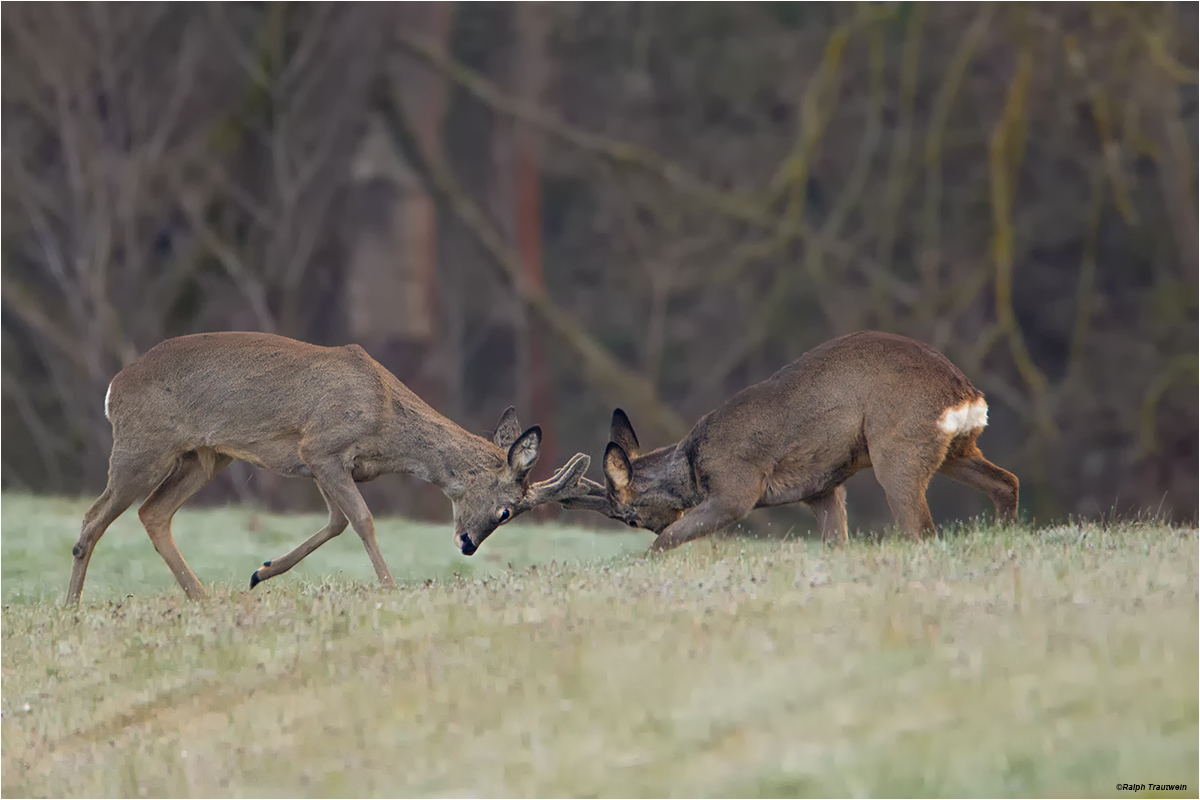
x,y
599,204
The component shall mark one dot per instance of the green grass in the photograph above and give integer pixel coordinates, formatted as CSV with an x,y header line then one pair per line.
x,y
986,662
225,545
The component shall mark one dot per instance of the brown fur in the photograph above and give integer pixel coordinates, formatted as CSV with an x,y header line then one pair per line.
x,y
190,406
865,400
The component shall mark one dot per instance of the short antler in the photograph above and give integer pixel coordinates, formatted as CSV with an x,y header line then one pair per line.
x,y
582,494
563,482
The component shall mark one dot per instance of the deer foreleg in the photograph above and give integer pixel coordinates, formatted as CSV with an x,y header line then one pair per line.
x,y
710,516
340,491
277,566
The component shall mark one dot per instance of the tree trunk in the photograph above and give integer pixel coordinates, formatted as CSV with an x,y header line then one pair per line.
x,y
530,67
394,300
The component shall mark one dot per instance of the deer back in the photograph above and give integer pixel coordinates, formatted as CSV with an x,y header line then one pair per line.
x,y
232,388
832,399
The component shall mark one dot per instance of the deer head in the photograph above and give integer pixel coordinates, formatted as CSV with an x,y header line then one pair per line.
x,y
641,491
498,494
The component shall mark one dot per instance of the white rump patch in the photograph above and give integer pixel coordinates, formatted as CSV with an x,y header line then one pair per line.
x,y
107,397
964,418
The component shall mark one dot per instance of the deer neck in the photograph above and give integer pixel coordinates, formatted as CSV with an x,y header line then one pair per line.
x,y
667,472
423,443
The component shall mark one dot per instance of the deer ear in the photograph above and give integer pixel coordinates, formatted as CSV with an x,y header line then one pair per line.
x,y
617,469
523,453
622,433
507,430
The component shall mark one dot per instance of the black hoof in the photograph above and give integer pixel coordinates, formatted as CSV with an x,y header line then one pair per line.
x,y
254,579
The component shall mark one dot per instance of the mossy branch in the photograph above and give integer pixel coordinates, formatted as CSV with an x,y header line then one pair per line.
x,y
930,264
731,204
897,179
1102,118
1178,369
1086,291
1004,159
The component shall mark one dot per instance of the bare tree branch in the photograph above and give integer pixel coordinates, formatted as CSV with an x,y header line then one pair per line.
x,y
601,369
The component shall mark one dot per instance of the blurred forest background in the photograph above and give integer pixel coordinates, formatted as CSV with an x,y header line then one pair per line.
x,y
573,206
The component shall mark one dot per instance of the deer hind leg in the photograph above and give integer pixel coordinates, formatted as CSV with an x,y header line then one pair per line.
x,y
903,469
190,475
277,566
971,469
830,510
130,475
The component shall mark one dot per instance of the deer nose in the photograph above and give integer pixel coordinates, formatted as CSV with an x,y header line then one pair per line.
x,y
468,547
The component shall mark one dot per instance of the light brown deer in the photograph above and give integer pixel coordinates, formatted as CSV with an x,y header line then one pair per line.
x,y
187,408
869,399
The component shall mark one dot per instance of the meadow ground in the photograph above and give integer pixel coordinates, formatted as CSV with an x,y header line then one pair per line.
x,y
562,662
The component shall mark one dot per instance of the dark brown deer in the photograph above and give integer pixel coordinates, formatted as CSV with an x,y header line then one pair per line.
x,y
187,408
869,399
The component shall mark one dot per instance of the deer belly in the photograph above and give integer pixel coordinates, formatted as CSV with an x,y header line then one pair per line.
x,y
793,482
285,461
791,487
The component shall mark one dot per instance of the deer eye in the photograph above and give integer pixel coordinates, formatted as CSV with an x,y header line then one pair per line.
x,y
504,515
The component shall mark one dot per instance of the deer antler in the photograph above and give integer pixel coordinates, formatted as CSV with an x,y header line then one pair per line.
x,y
563,482
575,491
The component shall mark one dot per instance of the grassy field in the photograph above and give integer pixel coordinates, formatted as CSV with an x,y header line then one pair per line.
x,y
562,662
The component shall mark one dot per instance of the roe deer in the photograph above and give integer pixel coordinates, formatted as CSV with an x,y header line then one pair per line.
x,y
869,399
184,410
